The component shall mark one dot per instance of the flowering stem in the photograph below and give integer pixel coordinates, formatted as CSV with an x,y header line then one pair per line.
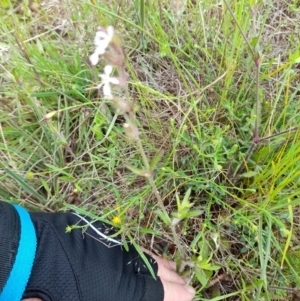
x,y
162,206
108,45
131,117
158,197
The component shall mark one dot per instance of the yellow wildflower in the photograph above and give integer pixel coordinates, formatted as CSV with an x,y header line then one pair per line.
x,y
30,175
69,229
116,220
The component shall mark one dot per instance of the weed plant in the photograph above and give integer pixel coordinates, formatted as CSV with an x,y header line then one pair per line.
x,y
211,87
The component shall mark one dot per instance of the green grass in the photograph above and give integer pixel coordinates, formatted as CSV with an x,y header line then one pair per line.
x,y
227,129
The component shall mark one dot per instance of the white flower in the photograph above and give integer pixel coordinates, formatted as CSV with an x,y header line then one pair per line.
x,y
94,58
107,80
103,38
101,41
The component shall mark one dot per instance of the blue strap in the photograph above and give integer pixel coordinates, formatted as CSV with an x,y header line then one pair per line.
x,y
21,270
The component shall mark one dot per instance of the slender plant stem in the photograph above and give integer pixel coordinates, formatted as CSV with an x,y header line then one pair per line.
x,y
132,119
144,157
293,290
295,128
258,104
240,28
173,227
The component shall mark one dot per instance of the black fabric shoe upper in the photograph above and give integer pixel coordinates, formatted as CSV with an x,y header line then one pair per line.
x,y
81,266
9,240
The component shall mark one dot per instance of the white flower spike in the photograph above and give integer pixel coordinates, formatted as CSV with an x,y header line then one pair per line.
x,y
102,39
107,81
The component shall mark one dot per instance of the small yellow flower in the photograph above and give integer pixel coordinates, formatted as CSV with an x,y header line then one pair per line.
x,y
69,229
30,175
116,220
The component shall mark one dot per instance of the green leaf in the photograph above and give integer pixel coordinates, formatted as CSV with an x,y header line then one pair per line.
x,y
45,185
136,170
249,174
177,215
155,160
254,42
149,231
209,267
295,57
66,179
193,213
145,259
186,198
165,218
125,245
201,276
205,251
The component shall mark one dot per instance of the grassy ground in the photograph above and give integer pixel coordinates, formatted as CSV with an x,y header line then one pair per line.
x,y
215,88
